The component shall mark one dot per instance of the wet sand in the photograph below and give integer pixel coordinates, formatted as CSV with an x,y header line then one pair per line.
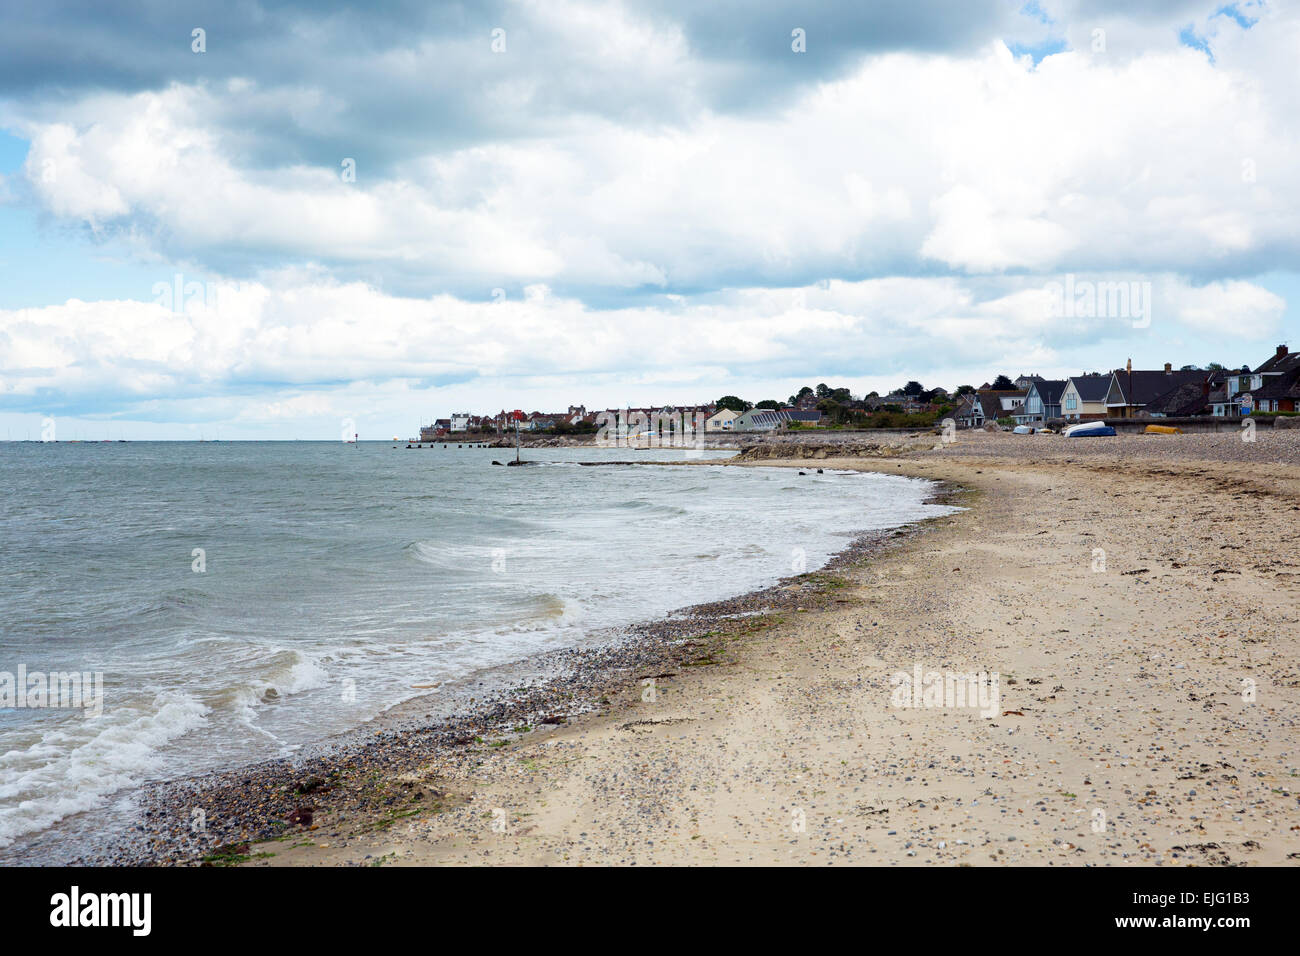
x,y
1148,705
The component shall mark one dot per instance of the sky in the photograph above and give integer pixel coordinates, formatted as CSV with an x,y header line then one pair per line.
x,y
246,220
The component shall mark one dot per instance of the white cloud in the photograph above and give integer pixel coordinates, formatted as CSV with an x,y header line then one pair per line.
x,y
906,215
981,164
313,334
1219,307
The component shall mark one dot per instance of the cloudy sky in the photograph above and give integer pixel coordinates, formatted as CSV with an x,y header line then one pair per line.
x,y
306,213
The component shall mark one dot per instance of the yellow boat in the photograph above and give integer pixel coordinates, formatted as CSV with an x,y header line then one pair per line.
x,y
1163,430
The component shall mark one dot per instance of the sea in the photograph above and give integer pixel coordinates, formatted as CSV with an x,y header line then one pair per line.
x,y
224,602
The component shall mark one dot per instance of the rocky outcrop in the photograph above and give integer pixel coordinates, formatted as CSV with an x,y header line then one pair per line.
x,y
811,450
1286,421
525,441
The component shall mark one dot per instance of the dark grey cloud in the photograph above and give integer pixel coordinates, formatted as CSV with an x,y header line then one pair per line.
x,y
398,77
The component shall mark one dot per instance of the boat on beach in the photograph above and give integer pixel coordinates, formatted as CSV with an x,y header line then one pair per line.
x,y
1088,430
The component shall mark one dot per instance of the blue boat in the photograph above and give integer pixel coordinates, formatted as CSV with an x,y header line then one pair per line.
x,y
1088,430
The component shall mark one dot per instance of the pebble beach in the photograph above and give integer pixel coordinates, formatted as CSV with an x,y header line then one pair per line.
x,y
1135,596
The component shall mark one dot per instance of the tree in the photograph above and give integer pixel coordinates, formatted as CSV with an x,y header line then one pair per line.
x,y
733,403
965,389
771,403
1003,383
912,389
835,413
794,399
1215,367
823,390
1190,368
840,395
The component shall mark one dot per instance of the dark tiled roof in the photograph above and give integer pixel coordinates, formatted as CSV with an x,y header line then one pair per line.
x,y
1143,386
1091,388
1049,390
1281,362
964,408
990,400
1286,385
1189,398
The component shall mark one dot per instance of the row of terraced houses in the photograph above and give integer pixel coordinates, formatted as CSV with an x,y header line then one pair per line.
x,y
715,419
1123,393
1140,393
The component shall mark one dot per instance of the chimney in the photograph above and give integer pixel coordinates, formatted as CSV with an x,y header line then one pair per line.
x,y
1281,350
1169,367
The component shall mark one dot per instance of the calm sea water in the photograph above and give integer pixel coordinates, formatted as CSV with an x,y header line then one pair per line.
x,y
335,577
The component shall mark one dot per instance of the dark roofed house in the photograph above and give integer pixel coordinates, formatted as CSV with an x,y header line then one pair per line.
x,y
966,412
1084,397
1281,362
1272,387
1189,398
990,404
1279,393
1043,401
1131,391
770,419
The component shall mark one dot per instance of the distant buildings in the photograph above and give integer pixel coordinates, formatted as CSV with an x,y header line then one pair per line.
x,y
988,405
1132,390
1122,393
770,419
723,420
1042,401
1273,387
1084,397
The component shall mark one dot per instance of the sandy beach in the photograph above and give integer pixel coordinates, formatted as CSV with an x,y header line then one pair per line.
x,y
1147,711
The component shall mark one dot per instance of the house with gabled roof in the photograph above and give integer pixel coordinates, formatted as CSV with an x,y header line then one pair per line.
x,y
1131,390
1273,387
770,419
1042,401
989,405
1182,401
723,420
1084,397
966,412
1279,393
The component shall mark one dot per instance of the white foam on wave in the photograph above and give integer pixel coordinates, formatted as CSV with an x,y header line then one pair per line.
x,y
75,766
300,673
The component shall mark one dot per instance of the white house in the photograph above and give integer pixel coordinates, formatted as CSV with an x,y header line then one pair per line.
x,y
722,420
460,421
1084,397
